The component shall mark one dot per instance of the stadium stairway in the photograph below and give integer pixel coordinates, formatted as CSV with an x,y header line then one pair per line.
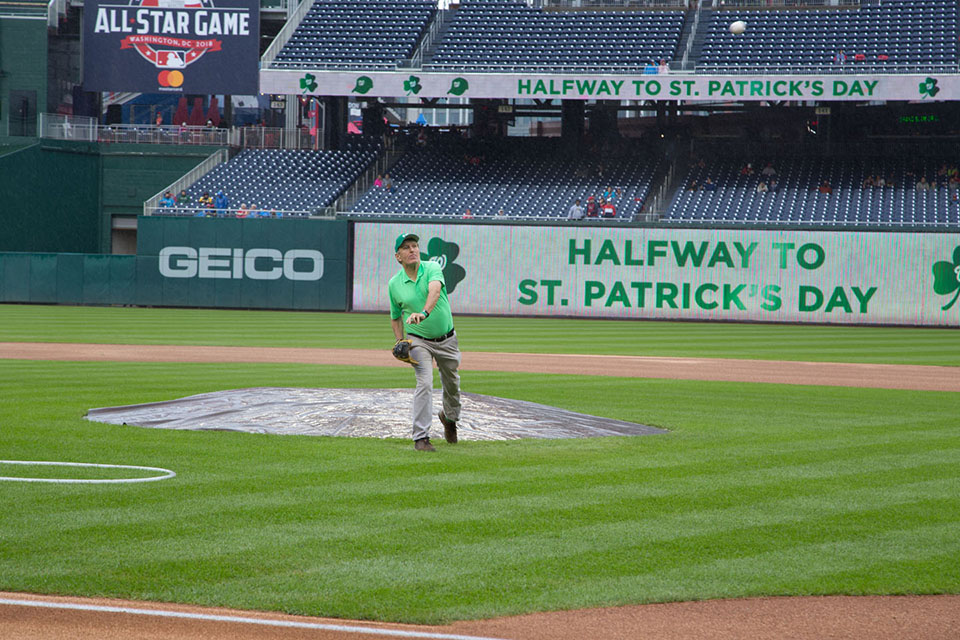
x,y
442,22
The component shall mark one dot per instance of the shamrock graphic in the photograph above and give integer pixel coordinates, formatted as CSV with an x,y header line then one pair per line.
x,y
946,278
412,85
444,254
929,88
458,86
308,83
364,84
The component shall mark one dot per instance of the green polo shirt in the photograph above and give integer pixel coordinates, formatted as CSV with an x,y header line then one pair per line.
x,y
408,296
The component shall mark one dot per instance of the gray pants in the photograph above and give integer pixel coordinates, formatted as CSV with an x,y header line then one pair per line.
x,y
447,355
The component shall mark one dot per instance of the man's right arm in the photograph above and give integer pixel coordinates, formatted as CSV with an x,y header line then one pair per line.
x,y
397,325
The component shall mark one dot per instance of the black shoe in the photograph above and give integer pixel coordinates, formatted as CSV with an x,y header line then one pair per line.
x,y
449,429
423,444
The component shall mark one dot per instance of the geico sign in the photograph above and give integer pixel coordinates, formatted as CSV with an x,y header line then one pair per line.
x,y
256,264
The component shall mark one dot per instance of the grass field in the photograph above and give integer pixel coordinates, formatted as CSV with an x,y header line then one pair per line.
x,y
532,335
757,489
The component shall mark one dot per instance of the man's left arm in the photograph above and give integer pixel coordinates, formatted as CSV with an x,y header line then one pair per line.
x,y
433,294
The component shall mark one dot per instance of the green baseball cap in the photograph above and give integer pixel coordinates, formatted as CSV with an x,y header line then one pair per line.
x,y
403,237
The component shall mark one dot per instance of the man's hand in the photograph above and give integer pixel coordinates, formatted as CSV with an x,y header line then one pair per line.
x,y
416,318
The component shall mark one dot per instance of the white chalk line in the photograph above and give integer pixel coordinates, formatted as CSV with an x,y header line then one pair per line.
x,y
165,473
293,624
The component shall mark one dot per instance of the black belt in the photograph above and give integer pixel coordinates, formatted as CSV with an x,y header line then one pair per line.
x,y
440,339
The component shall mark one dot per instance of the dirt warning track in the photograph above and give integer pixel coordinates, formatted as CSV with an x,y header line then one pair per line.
x,y
842,374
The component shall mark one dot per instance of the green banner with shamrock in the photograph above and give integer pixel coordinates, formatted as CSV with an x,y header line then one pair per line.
x,y
656,84
690,274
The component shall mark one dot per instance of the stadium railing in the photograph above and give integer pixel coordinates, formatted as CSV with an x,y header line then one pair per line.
x,y
274,138
201,212
765,4
63,127
267,60
610,4
854,68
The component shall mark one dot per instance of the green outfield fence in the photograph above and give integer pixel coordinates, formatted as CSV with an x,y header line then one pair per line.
x,y
756,275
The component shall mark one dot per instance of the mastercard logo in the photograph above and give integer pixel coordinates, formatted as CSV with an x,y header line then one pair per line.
x,y
170,78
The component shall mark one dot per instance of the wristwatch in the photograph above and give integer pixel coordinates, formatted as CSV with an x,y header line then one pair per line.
x,y
426,314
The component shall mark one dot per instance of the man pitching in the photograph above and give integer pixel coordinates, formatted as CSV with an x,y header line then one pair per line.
x,y
418,300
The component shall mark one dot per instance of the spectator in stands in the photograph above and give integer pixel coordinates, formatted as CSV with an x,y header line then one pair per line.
x,y
592,210
609,210
184,201
159,119
576,211
693,186
388,183
468,213
869,181
378,181
840,58
205,200
922,184
825,187
243,212
762,187
747,170
773,185
167,200
221,203
709,185
500,213
768,171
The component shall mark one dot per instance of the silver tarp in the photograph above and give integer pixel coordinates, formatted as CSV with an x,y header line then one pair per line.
x,y
369,413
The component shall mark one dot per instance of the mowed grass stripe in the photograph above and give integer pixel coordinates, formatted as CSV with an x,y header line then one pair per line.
x,y
114,325
627,495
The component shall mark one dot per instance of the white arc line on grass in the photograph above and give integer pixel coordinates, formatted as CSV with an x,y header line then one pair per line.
x,y
399,633
166,473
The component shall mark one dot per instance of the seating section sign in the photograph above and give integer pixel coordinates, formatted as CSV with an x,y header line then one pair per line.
x,y
687,87
171,46
688,274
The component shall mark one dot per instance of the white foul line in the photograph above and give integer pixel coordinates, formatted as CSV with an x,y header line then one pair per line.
x,y
399,633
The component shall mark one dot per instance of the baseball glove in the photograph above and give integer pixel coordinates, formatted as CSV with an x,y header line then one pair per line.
x,y
401,351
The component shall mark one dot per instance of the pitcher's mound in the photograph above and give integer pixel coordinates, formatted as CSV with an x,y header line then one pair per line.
x,y
368,413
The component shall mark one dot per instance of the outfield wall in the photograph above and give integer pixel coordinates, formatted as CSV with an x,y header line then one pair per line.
x,y
598,272
196,262
677,274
